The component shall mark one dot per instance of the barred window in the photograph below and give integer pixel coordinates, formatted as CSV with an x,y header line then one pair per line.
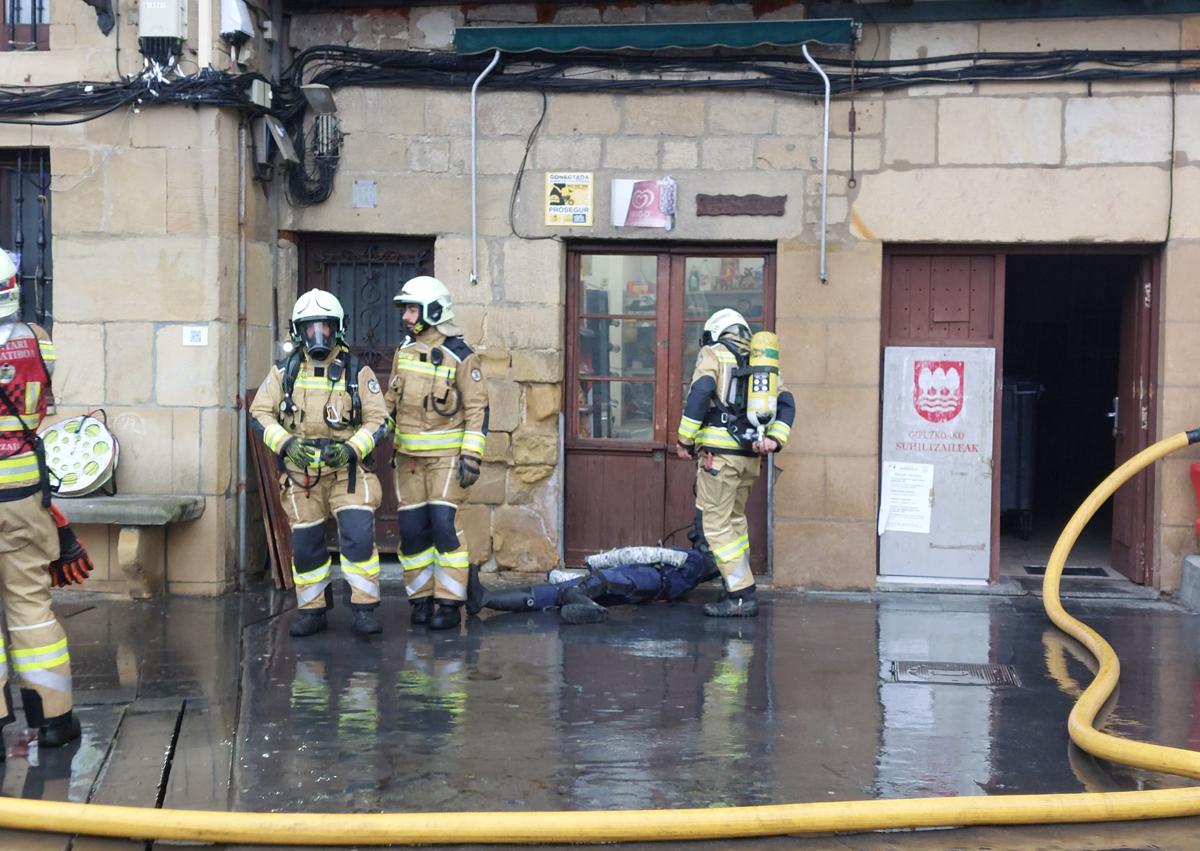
x,y
25,227
25,24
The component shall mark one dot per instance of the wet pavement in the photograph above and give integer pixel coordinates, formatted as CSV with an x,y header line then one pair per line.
x,y
209,704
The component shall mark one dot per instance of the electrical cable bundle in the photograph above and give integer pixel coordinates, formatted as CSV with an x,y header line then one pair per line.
x,y
311,180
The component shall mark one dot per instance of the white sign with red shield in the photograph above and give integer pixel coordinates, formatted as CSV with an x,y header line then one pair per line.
x,y
938,413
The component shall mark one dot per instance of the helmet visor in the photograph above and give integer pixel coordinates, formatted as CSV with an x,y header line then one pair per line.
x,y
317,336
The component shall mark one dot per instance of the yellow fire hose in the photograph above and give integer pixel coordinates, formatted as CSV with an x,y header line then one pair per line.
x,y
722,823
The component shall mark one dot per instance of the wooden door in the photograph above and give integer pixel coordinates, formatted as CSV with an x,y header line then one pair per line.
x,y
1132,423
634,323
365,273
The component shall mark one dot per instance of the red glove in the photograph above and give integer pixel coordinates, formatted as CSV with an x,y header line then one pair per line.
x,y
73,564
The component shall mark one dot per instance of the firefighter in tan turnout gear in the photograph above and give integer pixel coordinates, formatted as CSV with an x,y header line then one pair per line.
x,y
322,413
439,403
29,539
725,432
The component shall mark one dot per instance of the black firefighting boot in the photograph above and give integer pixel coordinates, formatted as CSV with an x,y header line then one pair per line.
x,y
422,611
52,732
365,622
310,622
447,615
7,719
735,604
59,730
477,592
577,607
509,600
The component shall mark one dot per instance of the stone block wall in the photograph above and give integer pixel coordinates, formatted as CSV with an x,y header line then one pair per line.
x,y
985,163
144,213
145,243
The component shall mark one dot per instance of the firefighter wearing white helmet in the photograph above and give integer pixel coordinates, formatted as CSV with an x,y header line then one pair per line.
x,y
716,430
39,653
439,402
321,411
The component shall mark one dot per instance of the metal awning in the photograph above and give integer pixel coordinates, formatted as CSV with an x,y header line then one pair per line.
x,y
602,37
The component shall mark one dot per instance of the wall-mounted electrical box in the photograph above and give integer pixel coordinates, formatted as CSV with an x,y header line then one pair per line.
x,y
162,28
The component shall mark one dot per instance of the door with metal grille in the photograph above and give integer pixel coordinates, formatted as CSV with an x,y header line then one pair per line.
x,y
365,273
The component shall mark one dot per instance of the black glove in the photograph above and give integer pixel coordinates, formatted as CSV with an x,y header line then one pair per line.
x,y
337,454
468,471
300,453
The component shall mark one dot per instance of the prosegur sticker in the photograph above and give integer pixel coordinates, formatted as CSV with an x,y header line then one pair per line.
x,y
568,198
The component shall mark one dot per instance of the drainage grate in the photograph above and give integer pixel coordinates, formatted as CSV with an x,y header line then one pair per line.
x,y
955,673
1040,570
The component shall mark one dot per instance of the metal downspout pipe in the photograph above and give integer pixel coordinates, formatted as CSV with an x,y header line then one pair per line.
x,y
824,161
242,403
474,175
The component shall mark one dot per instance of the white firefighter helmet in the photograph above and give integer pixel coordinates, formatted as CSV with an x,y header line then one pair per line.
x,y
724,321
313,309
431,296
10,286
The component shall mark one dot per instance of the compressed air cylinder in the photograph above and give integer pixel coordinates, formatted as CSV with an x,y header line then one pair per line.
x,y
762,391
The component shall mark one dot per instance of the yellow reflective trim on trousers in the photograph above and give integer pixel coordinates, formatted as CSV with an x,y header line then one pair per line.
x,y
731,551
274,436
370,567
719,437
418,561
421,368
458,558
311,577
41,658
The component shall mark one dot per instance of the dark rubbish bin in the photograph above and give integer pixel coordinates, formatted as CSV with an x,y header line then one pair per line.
x,y
1018,429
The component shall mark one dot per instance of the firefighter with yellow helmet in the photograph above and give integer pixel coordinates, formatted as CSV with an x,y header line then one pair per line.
x,y
736,411
30,541
439,402
322,413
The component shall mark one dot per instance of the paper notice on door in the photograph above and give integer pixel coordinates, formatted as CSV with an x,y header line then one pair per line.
x,y
905,497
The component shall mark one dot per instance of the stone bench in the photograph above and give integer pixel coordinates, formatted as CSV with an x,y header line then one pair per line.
x,y
140,542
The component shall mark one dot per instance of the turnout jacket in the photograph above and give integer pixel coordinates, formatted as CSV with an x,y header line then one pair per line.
x,y
437,397
710,425
323,406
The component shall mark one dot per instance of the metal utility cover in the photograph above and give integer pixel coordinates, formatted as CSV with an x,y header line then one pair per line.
x,y
954,673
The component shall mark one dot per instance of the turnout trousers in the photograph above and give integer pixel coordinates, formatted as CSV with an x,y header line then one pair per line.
x,y
721,494
307,510
38,645
433,549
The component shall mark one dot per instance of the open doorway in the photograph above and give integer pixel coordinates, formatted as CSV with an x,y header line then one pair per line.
x,y
1067,327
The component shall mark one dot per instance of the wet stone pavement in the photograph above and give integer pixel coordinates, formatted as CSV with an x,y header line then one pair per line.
x,y
209,704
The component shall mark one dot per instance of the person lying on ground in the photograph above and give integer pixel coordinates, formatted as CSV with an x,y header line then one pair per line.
x,y
626,575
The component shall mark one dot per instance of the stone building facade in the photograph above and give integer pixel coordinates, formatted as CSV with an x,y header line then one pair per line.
x,y
146,243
